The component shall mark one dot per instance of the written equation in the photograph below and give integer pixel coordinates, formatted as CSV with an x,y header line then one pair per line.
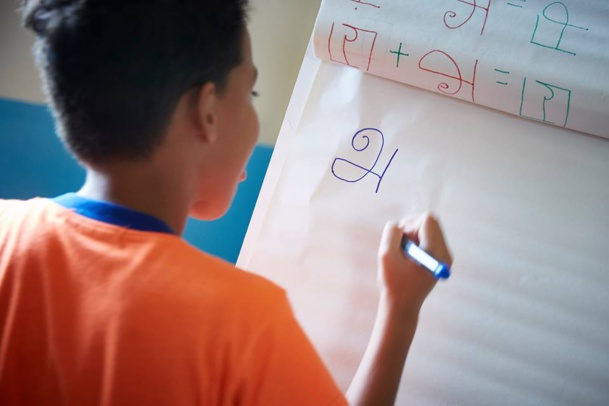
x,y
367,45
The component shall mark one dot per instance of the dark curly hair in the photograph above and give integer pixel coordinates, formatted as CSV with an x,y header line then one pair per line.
x,y
114,70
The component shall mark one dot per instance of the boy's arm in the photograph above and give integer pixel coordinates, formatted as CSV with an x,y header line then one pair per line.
x,y
404,286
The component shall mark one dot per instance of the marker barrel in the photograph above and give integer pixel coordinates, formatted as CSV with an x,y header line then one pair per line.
x,y
438,269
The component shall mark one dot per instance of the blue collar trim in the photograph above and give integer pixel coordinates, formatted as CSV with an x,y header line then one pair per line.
x,y
112,213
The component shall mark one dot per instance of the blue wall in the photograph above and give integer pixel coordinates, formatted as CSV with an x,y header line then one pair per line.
x,y
34,163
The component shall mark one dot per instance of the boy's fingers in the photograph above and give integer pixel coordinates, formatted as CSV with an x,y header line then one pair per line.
x,y
432,239
391,239
410,222
412,225
428,228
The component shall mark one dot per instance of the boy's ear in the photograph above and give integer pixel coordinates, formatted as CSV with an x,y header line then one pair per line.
x,y
205,113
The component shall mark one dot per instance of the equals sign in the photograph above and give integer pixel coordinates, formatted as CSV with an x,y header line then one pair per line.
x,y
505,73
519,5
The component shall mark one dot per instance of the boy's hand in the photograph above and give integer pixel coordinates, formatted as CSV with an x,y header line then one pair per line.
x,y
402,282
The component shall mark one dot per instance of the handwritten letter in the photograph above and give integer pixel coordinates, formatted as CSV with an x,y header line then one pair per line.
x,y
349,171
357,46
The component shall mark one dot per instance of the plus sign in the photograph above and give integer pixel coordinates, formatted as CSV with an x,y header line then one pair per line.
x,y
398,53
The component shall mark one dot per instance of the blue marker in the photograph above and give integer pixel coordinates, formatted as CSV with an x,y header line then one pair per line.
x,y
440,270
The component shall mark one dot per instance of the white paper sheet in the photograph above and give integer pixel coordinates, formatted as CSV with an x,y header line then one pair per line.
x,y
539,59
525,318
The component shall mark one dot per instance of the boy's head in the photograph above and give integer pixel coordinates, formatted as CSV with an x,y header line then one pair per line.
x,y
114,70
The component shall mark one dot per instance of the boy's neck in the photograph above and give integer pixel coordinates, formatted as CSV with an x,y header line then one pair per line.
x,y
167,182
139,186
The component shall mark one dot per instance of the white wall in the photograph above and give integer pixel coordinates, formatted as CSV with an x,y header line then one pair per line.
x,y
280,31
18,75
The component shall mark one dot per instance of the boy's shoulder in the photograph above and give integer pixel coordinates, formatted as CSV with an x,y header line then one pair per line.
x,y
161,272
168,257
240,287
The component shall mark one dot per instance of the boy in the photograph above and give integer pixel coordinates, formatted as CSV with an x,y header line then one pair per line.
x,y
101,301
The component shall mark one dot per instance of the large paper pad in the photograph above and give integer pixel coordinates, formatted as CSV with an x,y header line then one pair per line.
x,y
524,318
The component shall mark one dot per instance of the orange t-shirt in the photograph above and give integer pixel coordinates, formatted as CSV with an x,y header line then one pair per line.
x,y
94,313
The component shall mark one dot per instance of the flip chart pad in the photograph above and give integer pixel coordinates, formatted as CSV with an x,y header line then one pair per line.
x,y
524,319
542,60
